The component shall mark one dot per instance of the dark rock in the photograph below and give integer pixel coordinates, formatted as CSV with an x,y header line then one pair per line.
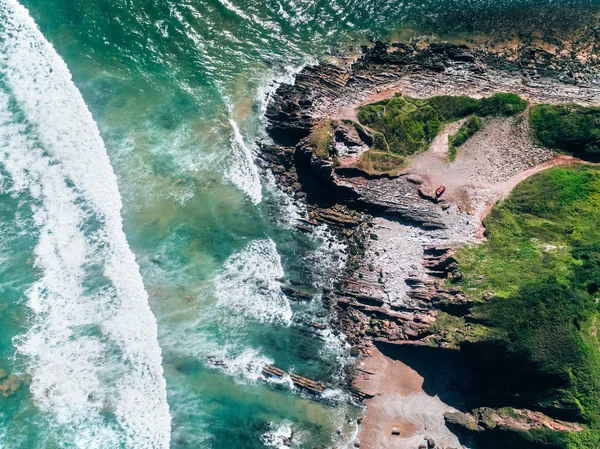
x,y
304,228
348,135
296,294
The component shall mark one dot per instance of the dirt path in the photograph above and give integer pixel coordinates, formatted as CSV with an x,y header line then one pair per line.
x,y
506,187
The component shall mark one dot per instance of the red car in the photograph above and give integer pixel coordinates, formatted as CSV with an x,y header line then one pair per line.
x,y
440,191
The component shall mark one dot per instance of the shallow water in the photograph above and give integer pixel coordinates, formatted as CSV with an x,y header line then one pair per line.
x,y
147,131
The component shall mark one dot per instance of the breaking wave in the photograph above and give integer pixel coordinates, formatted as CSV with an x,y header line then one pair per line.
x,y
242,171
249,284
91,347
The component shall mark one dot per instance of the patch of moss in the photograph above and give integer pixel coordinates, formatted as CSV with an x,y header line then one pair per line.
x,y
466,131
570,128
455,329
321,138
377,162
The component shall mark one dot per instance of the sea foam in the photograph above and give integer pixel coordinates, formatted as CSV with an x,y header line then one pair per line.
x,y
92,347
249,284
242,171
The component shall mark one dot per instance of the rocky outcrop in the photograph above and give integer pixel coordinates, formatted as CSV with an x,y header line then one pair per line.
x,y
432,290
397,198
506,419
290,113
346,198
435,57
321,91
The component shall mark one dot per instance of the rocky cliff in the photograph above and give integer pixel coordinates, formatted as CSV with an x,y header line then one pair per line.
x,y
402,273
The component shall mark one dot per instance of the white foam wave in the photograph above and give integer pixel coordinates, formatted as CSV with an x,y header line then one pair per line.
x,y
247,364
278,435
249,283
92,351
242,171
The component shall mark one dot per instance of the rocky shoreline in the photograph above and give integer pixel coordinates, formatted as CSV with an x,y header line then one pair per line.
x,y
401,240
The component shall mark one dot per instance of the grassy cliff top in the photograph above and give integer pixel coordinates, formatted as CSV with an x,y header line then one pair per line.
x,y
410,124
541,262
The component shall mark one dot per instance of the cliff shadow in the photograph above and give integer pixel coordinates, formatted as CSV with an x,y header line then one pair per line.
x,y
444,371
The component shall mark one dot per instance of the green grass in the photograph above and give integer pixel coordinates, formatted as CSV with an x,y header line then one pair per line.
x,y
570,128
542,262
380,143
409,124
465,132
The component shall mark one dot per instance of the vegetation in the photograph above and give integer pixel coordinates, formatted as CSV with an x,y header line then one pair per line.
x,y
570,128
377,162
410,124
468,129
321,138
542,264
501,104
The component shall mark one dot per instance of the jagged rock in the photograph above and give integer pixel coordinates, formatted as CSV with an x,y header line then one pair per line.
x,y
430,443
396,197
296,294
348,135
289,113
335,218
304,228
465,420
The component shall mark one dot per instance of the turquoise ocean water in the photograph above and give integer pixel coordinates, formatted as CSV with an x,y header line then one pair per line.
x,y
141,247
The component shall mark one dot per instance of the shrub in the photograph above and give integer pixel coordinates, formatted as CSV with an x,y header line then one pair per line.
x,y
502,104
379,142
454,107
570,128
468,129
